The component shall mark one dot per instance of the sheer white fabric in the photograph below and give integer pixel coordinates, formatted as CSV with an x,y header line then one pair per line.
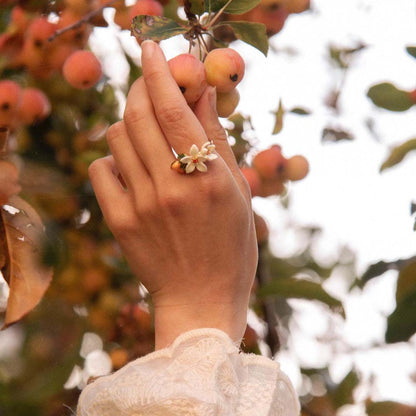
x,y
201,374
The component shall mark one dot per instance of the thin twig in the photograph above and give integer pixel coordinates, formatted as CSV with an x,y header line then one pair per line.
x,y
82,21
204,45
217,16
270,316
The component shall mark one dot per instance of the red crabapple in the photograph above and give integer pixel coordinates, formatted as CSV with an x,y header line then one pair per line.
x,y
10,100
227,102
40,30
82,69
262,230
252,178
225,69
149,7
297,167
270,163
34,106
189,74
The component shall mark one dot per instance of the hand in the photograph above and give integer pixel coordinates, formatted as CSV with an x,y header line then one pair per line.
x,y
190,239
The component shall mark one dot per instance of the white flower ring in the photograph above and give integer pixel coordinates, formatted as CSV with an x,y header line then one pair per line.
x,y
196,158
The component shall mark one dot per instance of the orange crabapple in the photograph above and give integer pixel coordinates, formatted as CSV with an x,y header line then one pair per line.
x,y
82,69
297,167
252,178
227,102
122,18
189,74
10,100
297,6
270,163
225,69
34,107
19,20
148,7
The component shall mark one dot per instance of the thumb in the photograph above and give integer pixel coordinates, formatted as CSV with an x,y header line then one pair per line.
x,y
206,112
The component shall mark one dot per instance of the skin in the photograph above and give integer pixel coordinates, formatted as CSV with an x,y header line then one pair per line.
x,y
198,269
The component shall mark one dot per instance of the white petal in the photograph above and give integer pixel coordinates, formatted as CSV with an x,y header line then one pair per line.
x,y
90,342
74,379
202,167
98,363
186,159
212,156
190,167
194,150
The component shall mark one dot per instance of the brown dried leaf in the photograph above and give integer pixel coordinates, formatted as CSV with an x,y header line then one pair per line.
x,y
9,181
21,234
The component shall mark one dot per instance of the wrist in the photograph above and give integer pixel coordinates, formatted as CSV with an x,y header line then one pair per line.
x,y
173,320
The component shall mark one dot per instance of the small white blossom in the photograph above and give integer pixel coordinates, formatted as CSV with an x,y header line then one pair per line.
x,y
195,160
208,150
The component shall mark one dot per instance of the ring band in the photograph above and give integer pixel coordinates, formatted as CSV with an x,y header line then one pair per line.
x,y
196,159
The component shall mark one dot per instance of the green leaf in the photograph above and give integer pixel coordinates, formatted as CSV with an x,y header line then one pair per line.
x,y
389,97
401,324
406,283
197,6
278,123
155,27
235,7
301,289
343,394
300,111
252,33
398,154
411,50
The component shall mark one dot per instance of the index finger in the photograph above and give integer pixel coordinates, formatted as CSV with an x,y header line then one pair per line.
x,y
177,121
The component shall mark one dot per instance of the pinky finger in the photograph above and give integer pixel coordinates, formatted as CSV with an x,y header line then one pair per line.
x,y
110,192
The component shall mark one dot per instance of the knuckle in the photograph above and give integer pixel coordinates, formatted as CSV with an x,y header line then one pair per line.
x,y
171,202
115,130
215,188
133,116
171,113
218,132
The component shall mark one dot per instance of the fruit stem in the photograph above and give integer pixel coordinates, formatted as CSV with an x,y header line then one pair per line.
x,y
217,15
80,22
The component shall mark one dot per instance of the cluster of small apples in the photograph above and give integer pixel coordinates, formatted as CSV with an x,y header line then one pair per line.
x,y
222,68
273,13
271,170
30,42
21,105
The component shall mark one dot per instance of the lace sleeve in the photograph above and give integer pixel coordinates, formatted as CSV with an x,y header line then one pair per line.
x,y
201,374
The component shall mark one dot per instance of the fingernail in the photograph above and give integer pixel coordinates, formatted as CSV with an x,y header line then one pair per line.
x,y
148,47
212,96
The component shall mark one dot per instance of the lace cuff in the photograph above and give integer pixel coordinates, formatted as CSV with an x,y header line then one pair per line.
x,y
201,374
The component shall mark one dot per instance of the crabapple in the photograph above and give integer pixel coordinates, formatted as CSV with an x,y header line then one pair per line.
x,y
149,7
122,18
10,99
270,187
225,69
189,74
34,106
40,30
82,69
227,102
19,19
270,163
252,178
297,167
412,96
297,6
272,13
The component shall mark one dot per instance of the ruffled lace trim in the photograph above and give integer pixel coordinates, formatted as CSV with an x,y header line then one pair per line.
x,y
201,374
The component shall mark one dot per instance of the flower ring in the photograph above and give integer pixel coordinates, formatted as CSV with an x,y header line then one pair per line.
x,y
196,159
